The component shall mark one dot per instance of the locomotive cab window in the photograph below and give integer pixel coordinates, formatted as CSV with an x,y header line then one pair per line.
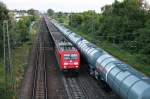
x,y
66,56
74,56
70,56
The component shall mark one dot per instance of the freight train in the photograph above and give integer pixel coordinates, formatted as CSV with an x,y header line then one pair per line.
x,y
67,55
119,76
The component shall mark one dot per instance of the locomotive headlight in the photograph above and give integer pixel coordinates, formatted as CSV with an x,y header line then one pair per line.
x,y
65,63
76,66
75,63
65,67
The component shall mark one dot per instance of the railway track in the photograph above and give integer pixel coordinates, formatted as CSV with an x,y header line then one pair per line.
x,y
50,83
92,88
73,89
85,87
82,86
39,90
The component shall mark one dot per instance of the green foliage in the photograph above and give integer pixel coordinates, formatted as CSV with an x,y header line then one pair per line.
x,y
85,20
50,12
22,29
3,12
19,33
75,19
18,30
126,24
19,59
32,12
121,26
62,17
3,16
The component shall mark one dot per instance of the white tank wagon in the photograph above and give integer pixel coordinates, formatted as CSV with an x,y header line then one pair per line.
x,y
121,78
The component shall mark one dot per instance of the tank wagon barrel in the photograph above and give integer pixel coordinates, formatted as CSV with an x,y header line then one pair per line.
x,y
122,78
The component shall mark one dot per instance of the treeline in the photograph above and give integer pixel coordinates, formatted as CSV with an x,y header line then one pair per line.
x,y
18,30
22,30
126,24
59,16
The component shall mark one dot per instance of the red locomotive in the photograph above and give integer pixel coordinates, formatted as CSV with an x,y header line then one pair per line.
x,y
67,55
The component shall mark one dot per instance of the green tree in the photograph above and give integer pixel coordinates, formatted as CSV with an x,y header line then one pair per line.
x,y
126,24
50,12
75,19
22,28
32,12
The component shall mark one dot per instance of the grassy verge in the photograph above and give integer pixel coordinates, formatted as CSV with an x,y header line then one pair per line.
x,y
129,58
19,58
19,61
2,80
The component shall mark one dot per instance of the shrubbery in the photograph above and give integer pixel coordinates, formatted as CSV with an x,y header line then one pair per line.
x,y
126,24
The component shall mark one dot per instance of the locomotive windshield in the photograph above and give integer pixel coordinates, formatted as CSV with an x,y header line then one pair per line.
x,y
66,56
70,56
74,56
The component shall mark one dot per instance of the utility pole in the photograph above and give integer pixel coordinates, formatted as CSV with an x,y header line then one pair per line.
x,y
7,56
93,29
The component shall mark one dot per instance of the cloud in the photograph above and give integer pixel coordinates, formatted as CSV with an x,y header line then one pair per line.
x,y
58,5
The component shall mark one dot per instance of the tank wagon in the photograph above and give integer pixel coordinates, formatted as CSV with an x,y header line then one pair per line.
x,y
67,55
119,76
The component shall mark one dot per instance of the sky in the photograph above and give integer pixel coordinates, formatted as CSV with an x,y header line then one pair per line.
x,y
58,5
